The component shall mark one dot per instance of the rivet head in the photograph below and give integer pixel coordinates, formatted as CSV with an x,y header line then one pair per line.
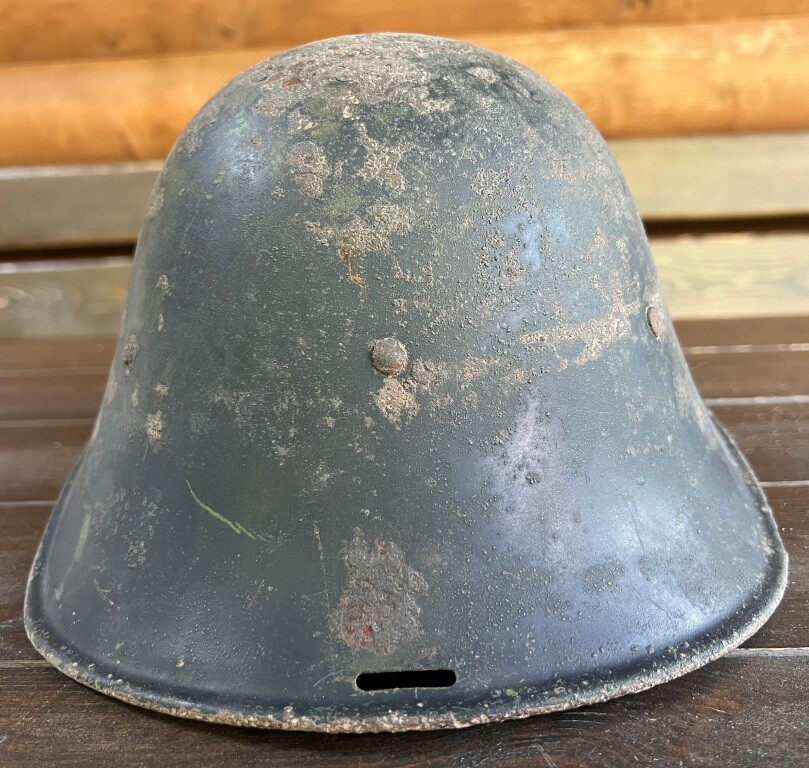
x,y
655,321
389,356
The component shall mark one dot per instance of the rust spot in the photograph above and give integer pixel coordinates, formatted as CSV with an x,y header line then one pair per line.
x,y
358,280
379,608
291,83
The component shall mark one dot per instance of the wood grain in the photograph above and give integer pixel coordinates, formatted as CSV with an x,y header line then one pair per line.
x,y
735,275
63,29
82,297
20,531
74,205
773,437
742,333
739,374
68,395
724,76
745,710
689,178
88,353
36,456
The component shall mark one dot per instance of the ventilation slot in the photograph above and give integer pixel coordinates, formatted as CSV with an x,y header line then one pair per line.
x,y
411,678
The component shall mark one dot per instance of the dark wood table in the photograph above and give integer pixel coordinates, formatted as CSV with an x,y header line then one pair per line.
x,y
750,708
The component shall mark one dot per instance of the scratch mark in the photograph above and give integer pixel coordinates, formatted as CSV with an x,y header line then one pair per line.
x,y
332,659
322,565
236,527
103,592
324,678
633,508
548,761
255,594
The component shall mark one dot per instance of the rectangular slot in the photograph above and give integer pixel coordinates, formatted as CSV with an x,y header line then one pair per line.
x,y
409,678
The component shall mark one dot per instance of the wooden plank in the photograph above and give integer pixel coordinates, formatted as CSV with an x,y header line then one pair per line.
x,y
36,456
773,436
86,353
717,177
737,334
789,626
687,179
722,76
20,530
96,29
765,373
744,275
21,527
69,205
79,297
745,710
68,395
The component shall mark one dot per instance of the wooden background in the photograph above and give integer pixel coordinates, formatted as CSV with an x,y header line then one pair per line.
x,y
705,105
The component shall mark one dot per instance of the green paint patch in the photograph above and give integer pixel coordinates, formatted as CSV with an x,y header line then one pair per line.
x,y
235,526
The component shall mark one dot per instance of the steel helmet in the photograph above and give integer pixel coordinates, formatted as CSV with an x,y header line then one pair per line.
x,y
398,434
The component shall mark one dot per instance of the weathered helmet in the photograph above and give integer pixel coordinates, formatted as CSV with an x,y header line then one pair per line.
x,y
398,432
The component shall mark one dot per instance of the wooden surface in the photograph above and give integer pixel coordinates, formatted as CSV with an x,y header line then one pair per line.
x,y
684,179
748,709
731,75
47,206
64,29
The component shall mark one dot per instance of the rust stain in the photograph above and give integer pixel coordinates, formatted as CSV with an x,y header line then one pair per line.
x,y
379,608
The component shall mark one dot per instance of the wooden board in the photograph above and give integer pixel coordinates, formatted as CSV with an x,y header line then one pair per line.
x,y
713,276
717,177
684,179
74,205
722,76
63,29
83,297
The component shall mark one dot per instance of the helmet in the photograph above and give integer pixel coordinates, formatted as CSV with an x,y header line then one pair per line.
x,y
398,434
